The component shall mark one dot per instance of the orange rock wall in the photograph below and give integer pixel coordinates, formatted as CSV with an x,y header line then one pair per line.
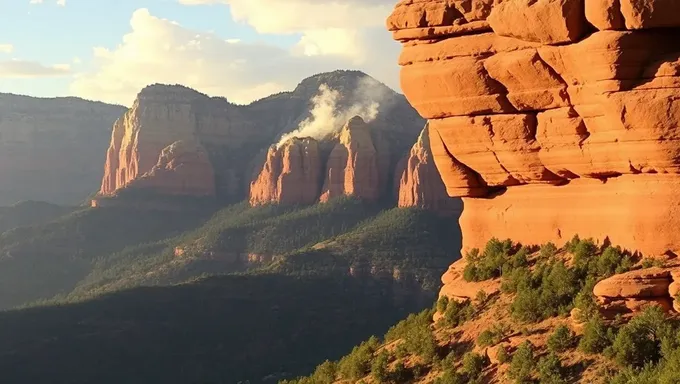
x,y
546,126
291,174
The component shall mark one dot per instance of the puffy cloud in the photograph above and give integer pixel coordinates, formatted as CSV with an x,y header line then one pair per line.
x,y
160,50
31,69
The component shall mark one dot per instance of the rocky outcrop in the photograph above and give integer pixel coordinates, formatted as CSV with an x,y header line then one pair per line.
x,y
52,149
291,174
183,168
632,291
561,129
455,287
420,184
352,168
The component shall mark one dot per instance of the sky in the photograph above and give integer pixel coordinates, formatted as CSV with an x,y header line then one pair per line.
x,y
108,50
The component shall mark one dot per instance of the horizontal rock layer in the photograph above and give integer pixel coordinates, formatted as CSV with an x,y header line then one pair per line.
x,y
546,126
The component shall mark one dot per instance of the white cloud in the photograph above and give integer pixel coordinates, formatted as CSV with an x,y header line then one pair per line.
x,y
61,3
6,48
18,69
159,50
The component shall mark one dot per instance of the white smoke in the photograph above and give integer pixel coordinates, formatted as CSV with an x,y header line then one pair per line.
x,y
327,118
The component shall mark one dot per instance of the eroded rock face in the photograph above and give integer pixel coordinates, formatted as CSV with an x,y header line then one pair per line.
x,y
291,174
352,168
561,129
420,184
143,142
632,291
183,168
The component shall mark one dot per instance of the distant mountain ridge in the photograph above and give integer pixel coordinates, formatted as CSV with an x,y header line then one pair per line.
x,y
235,138
51,149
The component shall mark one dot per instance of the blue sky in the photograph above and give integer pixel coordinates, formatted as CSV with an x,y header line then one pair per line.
x,y
51,49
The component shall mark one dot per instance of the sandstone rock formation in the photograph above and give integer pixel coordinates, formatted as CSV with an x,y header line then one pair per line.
x,y
52,149
561,128
144,138
232,137
630,292
420,184
183,168
352,168
291,174
456,288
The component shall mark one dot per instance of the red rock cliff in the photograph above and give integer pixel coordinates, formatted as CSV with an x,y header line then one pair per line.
x,y
291,174
420,184
561,128
152,138
352,168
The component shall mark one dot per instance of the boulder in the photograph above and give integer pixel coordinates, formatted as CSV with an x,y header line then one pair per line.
x,y
639,284
542,21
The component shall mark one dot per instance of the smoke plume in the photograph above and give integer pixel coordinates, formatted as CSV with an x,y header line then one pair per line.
x,y
328,118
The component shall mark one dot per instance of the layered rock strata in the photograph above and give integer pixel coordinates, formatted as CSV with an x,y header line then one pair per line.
x,y
291,174
632,291
546,126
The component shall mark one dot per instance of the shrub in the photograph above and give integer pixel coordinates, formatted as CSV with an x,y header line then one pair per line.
x,y
357,363
492,336
489,264
379,367
550,370
442,304
548,251
502,355
325,373
522,363
595,337
611,261
550,291
639,342
473,364
457,313
400,373
560,340
450,376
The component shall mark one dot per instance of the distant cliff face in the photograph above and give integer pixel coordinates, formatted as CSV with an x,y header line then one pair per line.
x,y
52,149
291,174
229,140
152,143
420,184
355,163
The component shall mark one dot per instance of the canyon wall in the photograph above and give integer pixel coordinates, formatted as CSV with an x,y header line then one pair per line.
x,y
551,117
52,149
177,141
